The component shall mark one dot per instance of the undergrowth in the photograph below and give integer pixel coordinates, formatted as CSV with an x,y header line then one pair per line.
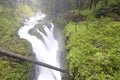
x,y
93,52
10,21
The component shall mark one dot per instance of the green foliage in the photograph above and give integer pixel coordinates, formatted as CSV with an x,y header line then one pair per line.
x,y
10,21
1,9
93,45
93,53
87,12
10,70
24,10
107,10
112,2
102,11
115,8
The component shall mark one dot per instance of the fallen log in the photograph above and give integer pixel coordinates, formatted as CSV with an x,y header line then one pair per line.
x,y
13,55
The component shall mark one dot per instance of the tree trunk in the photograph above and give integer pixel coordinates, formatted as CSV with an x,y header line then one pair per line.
x,y
106,2
77,4
80,5
91,2
95,3
9,54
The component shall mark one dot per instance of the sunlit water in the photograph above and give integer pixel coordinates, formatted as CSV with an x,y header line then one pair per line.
x,y
45,51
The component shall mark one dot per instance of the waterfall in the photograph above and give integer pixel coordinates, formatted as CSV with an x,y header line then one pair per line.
x,y
45,49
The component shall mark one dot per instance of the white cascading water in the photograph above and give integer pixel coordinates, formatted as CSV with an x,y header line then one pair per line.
x,y
45,51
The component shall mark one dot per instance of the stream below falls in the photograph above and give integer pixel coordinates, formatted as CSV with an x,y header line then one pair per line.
x,y
45,48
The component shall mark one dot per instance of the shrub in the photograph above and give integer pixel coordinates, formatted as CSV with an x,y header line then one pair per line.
x,y
102,11
94,53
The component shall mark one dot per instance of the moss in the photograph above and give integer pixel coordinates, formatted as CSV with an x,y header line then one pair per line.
x,y
10,21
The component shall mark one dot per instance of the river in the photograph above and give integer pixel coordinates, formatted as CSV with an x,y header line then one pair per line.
x,y
45,48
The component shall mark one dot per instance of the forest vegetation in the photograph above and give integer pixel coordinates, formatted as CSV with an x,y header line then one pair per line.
x,y
92,37
12,14
93,43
